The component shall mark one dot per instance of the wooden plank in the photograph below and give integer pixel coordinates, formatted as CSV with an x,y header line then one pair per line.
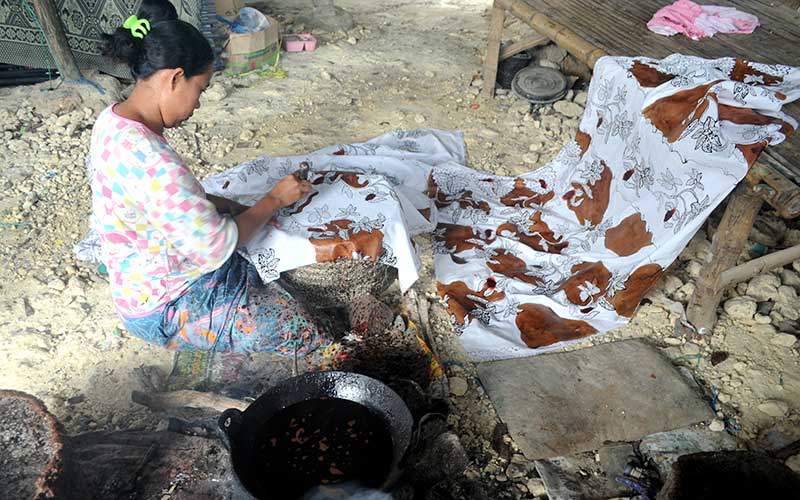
x,y
516,48
726,246
165,401
493,50
775,157
775,188
619,27
56,39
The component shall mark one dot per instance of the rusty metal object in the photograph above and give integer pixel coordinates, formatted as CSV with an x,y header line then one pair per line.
x,y
302,172
781,193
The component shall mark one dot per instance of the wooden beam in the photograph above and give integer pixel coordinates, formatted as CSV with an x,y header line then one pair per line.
x,y
56,39
561,35
727,245
165,401
493,50
792,4
774,188
516,48
758,266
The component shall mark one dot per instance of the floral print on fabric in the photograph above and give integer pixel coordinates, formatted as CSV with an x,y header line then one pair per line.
x,y
530,263
231,310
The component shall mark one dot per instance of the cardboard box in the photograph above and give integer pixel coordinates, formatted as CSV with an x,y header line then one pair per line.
x,y
229,9
253,51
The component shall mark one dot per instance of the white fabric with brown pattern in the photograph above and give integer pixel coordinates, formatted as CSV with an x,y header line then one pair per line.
x,y
531,263
365,203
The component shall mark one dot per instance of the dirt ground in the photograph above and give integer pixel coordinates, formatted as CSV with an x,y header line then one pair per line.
x,y
406,64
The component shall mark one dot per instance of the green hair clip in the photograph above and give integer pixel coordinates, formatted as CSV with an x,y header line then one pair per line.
x,y
139,27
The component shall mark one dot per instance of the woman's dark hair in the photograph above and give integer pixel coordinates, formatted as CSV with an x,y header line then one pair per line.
x,y
170,43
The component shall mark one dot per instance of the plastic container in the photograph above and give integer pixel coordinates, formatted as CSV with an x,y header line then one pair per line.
x,y
299,42
539,85
251,20
508,68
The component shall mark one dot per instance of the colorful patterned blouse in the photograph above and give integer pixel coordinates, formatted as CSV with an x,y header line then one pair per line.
x,y
159,232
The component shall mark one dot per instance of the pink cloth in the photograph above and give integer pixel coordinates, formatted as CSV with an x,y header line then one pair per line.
x,y
698,21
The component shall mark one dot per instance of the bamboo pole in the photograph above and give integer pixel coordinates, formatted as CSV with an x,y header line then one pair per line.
x,y
757,266
56,39
561,35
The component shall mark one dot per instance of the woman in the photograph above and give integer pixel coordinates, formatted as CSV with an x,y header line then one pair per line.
x,y
170,250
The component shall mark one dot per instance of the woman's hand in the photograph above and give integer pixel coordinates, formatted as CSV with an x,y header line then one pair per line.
x,y
289,189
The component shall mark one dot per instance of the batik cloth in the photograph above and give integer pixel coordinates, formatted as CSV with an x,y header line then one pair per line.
x,y
531,263
231,310
365,202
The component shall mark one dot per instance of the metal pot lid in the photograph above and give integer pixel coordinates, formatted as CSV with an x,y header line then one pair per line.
x,y
539,85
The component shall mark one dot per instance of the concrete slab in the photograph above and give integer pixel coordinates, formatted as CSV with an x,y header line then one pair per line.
x,y
560,404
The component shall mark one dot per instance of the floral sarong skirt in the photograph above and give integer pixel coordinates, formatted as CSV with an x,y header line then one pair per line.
x,y
231,310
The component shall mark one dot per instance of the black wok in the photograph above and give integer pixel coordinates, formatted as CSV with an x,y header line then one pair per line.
x,y
242,428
